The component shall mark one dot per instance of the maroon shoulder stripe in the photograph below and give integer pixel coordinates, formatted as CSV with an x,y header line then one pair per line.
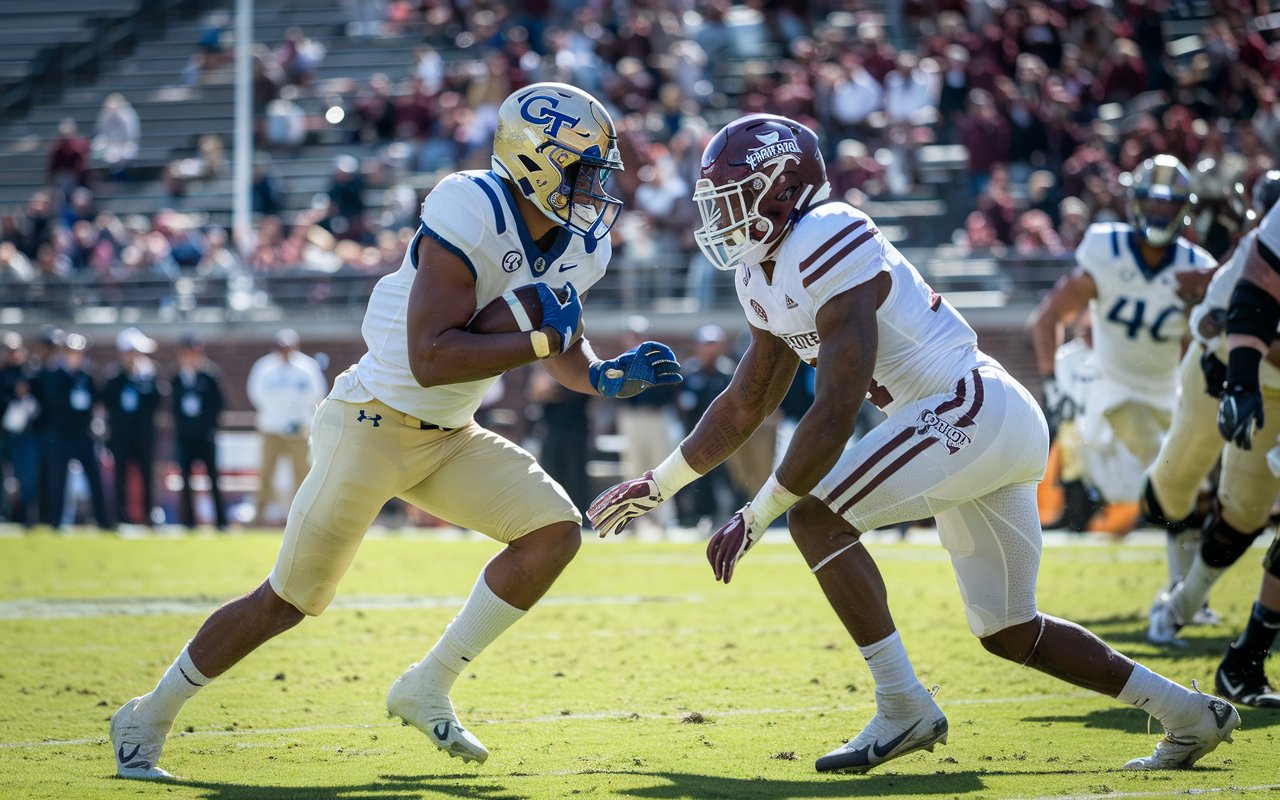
x,y
838,257
830,243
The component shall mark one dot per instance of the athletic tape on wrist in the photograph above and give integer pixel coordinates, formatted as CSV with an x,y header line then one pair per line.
x,y
674,473
772,501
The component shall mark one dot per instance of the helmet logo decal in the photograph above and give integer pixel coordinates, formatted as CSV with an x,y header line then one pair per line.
x,y
771,137
769,151
540,109
511,261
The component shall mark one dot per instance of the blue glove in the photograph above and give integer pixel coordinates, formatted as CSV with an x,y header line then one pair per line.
x,y
646,365
564,317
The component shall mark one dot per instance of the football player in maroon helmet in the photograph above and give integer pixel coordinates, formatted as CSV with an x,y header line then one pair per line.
x,y
964,443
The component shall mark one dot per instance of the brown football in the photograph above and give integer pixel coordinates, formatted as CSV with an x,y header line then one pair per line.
x,y
499,315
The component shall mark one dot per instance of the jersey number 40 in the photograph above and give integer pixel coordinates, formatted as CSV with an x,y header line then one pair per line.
x,y
1131,315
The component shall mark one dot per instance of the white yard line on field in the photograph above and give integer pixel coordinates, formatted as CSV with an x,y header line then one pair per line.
x,y
710,714
59,608
1266,787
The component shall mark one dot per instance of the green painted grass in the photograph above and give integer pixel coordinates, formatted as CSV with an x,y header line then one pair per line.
x,y
592,694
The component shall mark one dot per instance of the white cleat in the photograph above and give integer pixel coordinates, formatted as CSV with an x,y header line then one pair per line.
x,y
1205,616
137,745
886,738
1181,748
1163,623
434,716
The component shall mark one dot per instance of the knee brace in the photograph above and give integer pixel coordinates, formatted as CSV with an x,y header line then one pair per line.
x,y
1271,561
1153,513
1222,545
1253,311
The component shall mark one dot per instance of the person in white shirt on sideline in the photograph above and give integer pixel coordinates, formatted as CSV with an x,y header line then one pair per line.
x,y
285,386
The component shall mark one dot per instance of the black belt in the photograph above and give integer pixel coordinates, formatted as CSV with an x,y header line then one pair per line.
x,y
413,421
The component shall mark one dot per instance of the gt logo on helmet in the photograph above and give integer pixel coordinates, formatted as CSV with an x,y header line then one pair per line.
x,y
544,113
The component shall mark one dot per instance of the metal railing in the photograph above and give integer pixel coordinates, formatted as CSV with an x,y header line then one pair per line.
x,y
55,67
665,284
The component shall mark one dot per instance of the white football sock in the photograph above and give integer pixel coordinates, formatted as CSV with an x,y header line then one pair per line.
x,y
1160,697
898,690
1195,588
482,619
1183,548
178,685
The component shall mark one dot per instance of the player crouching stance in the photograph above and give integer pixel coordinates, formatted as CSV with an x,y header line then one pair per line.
x,y
964,443
399,423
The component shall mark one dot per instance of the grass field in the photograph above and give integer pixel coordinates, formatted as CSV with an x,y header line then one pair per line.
x,y
638,677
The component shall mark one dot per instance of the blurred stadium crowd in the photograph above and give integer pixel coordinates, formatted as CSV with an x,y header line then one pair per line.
x,y
1021,117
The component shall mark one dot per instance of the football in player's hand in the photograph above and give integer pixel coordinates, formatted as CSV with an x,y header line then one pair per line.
x,y
514,311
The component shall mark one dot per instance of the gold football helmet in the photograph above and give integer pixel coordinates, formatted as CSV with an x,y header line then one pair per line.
x,y
1159,199
557,145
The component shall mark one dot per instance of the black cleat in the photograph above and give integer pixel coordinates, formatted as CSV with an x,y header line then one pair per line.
x,y
1246,685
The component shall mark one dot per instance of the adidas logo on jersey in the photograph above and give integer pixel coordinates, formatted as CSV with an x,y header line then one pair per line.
x,y
790,303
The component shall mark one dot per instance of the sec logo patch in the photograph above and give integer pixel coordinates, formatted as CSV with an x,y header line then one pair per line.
x,y
759,309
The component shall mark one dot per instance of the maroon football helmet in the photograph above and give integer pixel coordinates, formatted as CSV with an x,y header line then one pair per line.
x,y
759,174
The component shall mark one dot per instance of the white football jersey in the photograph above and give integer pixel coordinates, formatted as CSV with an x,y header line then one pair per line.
x,y
473,215
1138,318
1218,296
925,346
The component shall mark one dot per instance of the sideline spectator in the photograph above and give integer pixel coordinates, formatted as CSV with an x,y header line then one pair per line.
x,y
67,395
197,404
564,434
648,424
131,396
285,387
706,375
19,434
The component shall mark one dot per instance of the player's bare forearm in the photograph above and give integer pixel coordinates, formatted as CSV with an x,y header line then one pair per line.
x,y
848,329
441,303
571,368
456,356
1063,304
760,382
